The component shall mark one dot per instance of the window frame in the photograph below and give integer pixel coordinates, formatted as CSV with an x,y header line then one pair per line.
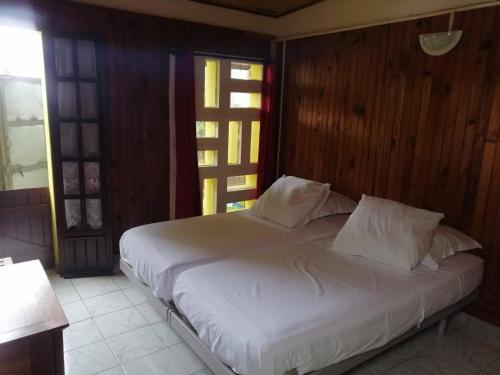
x,y
223,115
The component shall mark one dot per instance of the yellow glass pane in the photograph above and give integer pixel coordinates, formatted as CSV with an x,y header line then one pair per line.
x,y
207,129
246,71
238,206
245,100
244,182
211,95
209,196
207,158
254,142
234,143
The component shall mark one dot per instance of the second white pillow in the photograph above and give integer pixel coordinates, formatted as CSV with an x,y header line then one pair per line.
x,y
388,232
447,242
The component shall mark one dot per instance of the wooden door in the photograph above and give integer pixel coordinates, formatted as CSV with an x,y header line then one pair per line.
x,y
74,74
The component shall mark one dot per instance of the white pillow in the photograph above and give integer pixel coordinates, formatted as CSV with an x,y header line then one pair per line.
x,y
335,204
388,232
447,242
290,201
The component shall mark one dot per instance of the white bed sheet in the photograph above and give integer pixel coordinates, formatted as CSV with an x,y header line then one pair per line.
x,y
159,252
305,307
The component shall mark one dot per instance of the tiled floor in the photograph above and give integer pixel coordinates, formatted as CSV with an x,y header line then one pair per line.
x,y
115,331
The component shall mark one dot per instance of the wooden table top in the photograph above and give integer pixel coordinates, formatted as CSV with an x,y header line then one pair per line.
x,y
28,304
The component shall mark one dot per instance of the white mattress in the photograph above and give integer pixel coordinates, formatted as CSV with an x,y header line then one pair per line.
x,y
159,252
305,307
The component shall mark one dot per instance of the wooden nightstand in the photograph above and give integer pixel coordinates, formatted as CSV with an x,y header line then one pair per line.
x,y
31,322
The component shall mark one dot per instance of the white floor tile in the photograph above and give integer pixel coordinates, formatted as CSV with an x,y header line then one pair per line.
x,y
427,366
114,371
96,287
57,281
134,344
166,333
188,359
462,352
135,296
67,294
81,280
81,334
75,311
89,360
159,363
121,321
122,281
149,313
107,303
482,331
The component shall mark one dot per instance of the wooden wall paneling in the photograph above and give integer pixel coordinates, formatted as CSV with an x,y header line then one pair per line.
x,y
369,112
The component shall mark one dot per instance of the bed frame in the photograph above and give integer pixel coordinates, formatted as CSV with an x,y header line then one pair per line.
x,y
184,329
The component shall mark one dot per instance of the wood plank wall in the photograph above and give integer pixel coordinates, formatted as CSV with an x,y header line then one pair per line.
x,y
369,112
25,226
137,84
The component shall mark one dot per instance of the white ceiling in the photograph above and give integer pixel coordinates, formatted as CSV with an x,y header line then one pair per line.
x,y
322,17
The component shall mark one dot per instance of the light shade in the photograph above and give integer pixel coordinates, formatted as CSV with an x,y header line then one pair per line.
x,y
438,44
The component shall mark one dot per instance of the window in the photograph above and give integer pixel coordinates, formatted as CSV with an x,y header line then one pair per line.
x,y
23,153
246,71
238,206
228,100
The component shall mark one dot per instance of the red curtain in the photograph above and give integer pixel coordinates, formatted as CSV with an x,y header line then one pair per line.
x,y
187,199
268,130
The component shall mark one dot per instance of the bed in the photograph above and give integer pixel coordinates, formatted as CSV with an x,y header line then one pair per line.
x,y
302,308
251,297
157,253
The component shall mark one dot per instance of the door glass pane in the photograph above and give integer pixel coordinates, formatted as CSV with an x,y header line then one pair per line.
x,y
234,142
90,139
73,214
92,177
209,194
88,99
23,101
66,99
244,182
64,57
254,142
69,140
211,86
246,71
238,206
86,59
207,129
245,100
94,213
207,158
71,179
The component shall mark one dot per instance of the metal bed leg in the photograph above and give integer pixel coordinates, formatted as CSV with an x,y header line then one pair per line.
x,y
442,327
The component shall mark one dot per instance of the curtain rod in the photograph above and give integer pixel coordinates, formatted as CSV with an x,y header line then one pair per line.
x,y
389,21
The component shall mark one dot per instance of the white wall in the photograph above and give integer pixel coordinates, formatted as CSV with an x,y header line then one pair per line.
x,y
339,14
326,16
